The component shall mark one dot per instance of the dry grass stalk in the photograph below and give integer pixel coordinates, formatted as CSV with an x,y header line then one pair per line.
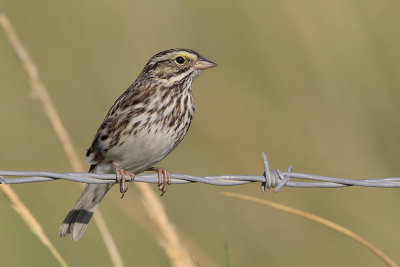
x,y
40,91
320,220
176,252
32,223
170,241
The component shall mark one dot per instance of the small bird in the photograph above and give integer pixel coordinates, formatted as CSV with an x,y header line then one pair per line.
x,y
142,127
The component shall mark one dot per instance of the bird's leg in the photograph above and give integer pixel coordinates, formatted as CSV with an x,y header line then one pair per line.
x,y
120,178
164,178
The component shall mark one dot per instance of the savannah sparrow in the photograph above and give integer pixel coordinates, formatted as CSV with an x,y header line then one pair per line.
x,y
142,127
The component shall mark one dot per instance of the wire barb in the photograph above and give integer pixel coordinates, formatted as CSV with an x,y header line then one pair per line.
x,y
285,179
270,179
266,172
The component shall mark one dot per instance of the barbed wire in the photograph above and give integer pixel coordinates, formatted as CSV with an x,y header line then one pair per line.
x,y
270,179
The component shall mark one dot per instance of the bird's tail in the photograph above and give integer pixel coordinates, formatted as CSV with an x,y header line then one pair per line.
x,y
78,218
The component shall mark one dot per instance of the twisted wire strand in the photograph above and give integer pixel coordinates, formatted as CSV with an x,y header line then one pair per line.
x,y
270,179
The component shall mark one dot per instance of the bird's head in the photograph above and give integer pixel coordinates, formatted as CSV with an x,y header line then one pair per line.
x,y
176,66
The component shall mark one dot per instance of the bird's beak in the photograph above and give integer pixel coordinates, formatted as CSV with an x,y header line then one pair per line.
x,y
203,64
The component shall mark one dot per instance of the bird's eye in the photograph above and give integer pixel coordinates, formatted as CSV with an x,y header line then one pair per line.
x,y
179,60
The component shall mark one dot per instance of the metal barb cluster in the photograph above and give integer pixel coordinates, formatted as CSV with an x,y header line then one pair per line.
x,y
270,179
274,178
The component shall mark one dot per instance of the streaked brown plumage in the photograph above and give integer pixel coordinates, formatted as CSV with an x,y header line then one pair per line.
x,y
142,127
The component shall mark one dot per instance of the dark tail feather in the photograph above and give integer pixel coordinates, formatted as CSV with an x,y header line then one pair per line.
x,y
78,218
75,223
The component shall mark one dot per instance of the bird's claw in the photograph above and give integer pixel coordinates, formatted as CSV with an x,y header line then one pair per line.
x,y
121,179
164,179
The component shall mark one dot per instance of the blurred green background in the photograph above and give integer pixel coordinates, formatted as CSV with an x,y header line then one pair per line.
x,y
313,83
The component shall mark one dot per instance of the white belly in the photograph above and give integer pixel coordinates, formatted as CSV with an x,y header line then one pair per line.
x,y
142,151
139,152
